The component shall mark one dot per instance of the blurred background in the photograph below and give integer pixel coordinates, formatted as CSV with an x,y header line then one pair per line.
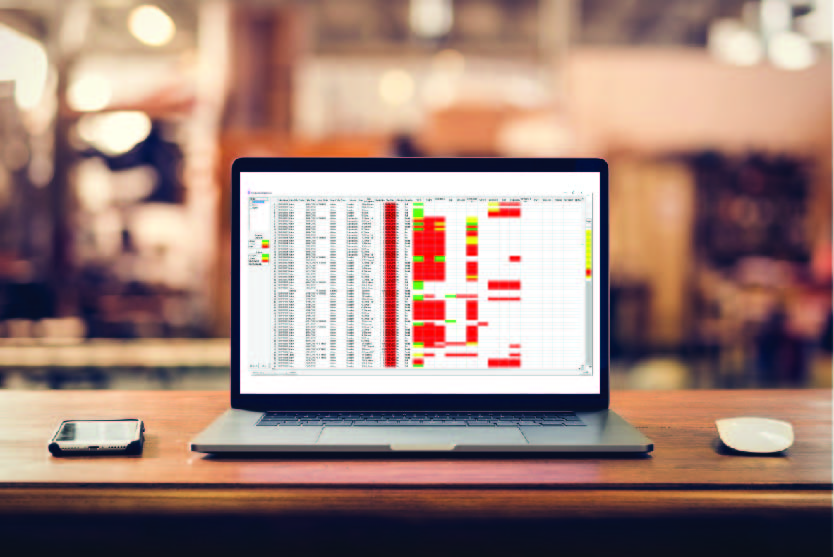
x,y
119,121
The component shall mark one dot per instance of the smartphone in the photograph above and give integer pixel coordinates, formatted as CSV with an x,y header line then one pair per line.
x,y
85,437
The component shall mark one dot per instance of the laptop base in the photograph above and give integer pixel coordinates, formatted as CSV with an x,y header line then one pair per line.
x,y
236,432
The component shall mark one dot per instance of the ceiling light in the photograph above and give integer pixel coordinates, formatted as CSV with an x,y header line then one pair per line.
x,y
431,18
791,51
150,25
89,93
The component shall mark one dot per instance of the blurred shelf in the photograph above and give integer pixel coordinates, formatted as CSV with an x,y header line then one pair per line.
x,y
144,353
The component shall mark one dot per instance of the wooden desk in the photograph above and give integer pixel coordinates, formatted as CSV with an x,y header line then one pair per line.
x,y
685,482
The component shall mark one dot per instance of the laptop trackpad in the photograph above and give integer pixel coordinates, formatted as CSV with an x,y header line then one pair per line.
x,y
421,438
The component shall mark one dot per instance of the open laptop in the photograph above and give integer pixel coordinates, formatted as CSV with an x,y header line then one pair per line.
x,y
420,305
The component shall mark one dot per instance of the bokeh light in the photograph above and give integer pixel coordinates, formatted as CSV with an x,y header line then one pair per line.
x,y
151,26
23,61
114,132
396,87
89,93
791,51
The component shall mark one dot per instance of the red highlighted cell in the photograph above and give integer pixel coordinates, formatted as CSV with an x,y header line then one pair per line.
x,y
506,209
472,271
508,213
471,333
504,362
431,335
419,361
430,244
515,354
515,346
474,296
515,259
472,250
471,310
504,299
428,310
430,271
504,285
483,324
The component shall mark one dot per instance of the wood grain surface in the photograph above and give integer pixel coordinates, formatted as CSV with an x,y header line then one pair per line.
x,y
680,423
414,503
685,474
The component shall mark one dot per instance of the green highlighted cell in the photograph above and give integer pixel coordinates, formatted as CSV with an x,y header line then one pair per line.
x,y
418,323
418,285
418,204
439,258
418,365
418,258
451,321
418,213
451,295
419,344
418,298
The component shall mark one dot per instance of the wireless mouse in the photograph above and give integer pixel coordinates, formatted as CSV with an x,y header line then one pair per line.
x,y
755,435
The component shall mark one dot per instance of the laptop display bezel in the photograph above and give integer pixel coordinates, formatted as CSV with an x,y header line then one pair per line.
x,y
420,402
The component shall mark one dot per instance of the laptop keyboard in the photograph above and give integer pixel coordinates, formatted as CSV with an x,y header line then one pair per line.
x,y
470,419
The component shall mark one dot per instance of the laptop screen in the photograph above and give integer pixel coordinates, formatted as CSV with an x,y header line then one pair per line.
x,y
419,283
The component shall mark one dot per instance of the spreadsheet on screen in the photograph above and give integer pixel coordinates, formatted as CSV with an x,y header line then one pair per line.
x,y
421,286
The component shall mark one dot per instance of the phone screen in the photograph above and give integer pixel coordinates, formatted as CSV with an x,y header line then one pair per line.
x,y
90,432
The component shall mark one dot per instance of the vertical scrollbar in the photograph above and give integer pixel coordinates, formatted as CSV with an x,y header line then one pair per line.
x,y
389,341
589,284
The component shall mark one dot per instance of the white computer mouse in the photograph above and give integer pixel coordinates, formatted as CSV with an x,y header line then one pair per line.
x,y
755,435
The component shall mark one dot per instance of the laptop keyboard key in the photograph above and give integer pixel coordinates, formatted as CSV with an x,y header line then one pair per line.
x,y
434,419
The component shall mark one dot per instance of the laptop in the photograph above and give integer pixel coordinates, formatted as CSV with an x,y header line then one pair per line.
x,y
405,305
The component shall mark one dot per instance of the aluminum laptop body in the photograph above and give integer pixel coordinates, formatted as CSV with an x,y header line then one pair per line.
x,y
419,305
